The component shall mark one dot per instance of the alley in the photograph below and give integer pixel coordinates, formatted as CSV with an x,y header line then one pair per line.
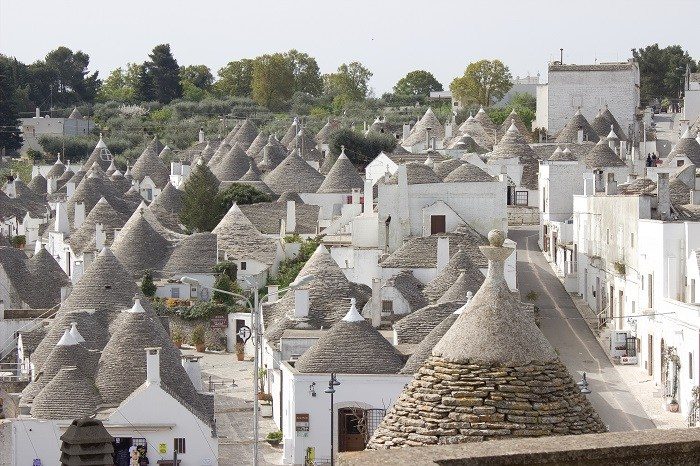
x,y
573,340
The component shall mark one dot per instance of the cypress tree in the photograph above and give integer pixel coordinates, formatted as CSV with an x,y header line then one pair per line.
x,y
165,72
200,210
10,136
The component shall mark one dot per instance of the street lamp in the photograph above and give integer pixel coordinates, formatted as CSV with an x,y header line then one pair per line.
x,y
255,311
332,383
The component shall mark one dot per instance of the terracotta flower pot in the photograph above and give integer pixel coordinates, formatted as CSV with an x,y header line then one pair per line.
x,y
178,344
200,347
240,356
673,407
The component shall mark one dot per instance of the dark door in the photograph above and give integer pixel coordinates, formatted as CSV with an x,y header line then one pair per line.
x,y
437,224
351,429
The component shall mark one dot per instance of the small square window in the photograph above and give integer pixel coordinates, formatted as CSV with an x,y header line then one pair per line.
x,y
679,163
175,292
521,198
244,265
179,445
387,305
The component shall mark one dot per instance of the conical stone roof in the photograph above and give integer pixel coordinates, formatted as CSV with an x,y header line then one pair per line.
x,y
512,145
492,375
148,164
419,132
328,162
50,278
602,156
83,239
56,169
562,155
688,146
167,206
468,173
99,155
140,246
293,174
514,118
471,127
271,155
246,134
253,174
75,114
290,134
570,131
233,165
459,262
461,288
442,169
342,177
69,395
601,124
485,121
607,114
258,143
222,150
351,346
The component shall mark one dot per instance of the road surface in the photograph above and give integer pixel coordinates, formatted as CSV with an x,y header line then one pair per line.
x,y
572,338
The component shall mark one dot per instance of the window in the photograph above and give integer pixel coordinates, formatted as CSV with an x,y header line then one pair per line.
x,y
387,306
607,236
244,265
149,194
632,240
679,163
437,224
521,198
175,292
179,445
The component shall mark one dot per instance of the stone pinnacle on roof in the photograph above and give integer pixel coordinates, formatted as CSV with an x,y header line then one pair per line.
x,y
494,346
612,135
562,155
429,124
483,118
570,131
149,164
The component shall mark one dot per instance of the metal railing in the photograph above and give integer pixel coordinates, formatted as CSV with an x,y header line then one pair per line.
x,y
11,372
602,319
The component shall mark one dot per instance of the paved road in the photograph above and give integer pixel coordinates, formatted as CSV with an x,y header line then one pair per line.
x,y
666,133
575,343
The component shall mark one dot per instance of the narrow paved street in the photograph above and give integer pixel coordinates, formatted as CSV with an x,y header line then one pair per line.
x,y
572,338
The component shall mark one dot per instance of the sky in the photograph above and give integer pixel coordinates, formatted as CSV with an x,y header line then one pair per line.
x,y
390,37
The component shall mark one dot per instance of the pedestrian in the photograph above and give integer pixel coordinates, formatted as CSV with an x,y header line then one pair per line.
x,y
649,160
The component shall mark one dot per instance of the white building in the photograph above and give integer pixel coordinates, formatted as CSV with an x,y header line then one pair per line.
x,y
37,126
588,88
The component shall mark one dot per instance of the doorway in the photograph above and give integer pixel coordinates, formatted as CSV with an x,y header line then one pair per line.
x,y
437,224
650,354
352,428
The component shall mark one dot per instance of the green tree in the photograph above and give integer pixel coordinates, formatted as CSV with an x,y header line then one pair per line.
x,y
484,82
273,81
359,148
241,194
417,83
307,77
661,71
349,83
235,79
144,84
523,100
10,136
165,73
224,283
115,88
72,81
148,288
199,210
198,75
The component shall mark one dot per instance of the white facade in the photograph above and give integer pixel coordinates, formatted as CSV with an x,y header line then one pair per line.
x,y
357,391
37,126
588,88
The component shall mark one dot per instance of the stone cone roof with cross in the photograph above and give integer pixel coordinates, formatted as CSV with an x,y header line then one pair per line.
x,y
493,375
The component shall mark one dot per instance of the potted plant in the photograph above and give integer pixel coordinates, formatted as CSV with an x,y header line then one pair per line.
x,y
240,350
262,374
19,241
176,335
198,338
274,438
673,363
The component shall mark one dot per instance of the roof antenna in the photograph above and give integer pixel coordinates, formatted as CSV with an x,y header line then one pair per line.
x,y
561,56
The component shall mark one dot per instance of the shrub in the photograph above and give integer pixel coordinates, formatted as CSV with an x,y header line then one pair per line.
x,y
275,436
227,267
19,241
148,288
198,335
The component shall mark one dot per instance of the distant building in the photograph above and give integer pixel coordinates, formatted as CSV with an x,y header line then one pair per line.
x,y
691,101
588,88
525,85
37,126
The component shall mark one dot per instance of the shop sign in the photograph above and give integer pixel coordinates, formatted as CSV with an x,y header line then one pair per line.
x,y
302,424
219,322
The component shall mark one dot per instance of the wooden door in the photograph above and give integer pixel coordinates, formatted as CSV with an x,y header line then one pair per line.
x,y
351,429
437,224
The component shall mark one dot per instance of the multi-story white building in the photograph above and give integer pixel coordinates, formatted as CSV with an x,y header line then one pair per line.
x,y
588,88
37,126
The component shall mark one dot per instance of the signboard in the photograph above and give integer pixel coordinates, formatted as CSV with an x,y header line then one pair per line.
x,y
302,424
244,333
219,322
162,448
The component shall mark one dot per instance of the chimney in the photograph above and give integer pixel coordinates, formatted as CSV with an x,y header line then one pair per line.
x,y
443,252
369,197
448,130
194,370
11,189
664,196
37,113
201,134
376,307
78,214
301,303
355,197
588,184
100,237
599,182
70,189
694,197
291,221
611,185
61,224
579,136
272,293
406,131
153,366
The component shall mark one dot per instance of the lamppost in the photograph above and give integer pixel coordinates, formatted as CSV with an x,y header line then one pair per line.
x,y
255,312
332,383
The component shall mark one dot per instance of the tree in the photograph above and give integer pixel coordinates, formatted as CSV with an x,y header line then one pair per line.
x,y
307,77
235,79
115,88
417,83
241,194
148,288
484,82
198,75
71,79
10,136
273,81
199,210
349,83
661,71
144,84
224,283
165,73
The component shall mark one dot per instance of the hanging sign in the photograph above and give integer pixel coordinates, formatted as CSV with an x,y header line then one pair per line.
x,y
302,424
